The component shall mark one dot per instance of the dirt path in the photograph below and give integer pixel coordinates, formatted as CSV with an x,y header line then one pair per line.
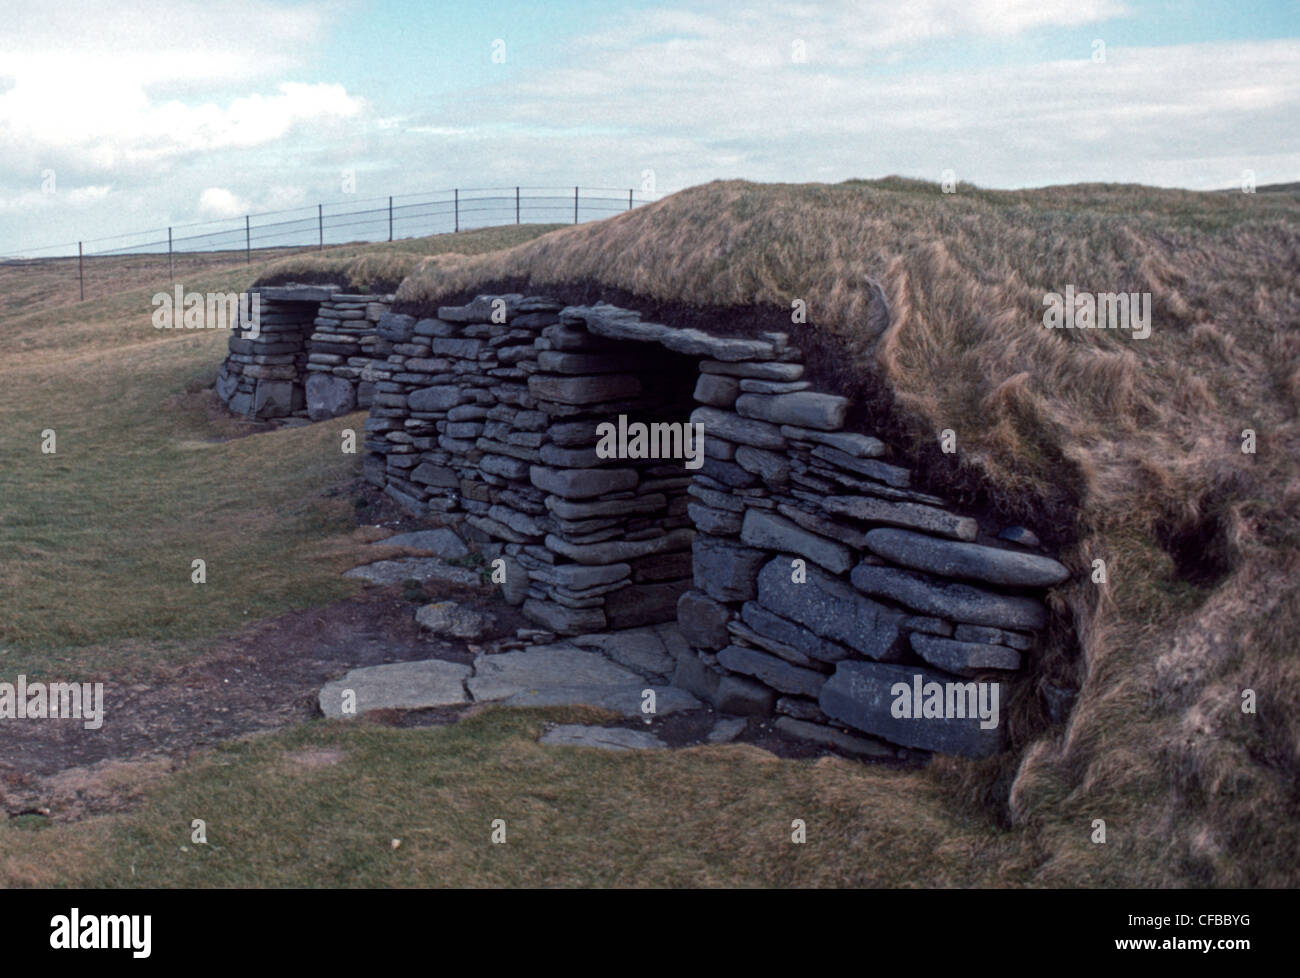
x,y
260,679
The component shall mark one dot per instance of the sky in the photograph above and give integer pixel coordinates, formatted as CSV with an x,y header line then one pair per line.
x,y
134,114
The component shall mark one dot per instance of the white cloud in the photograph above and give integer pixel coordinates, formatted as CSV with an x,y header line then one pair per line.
x,y
29,200
220,202
1182,114
88,82
717,37
151,41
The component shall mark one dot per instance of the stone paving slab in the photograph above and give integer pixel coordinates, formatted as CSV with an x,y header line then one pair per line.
x,y
625,699
400,686
500,676
637,648
442,542
417,568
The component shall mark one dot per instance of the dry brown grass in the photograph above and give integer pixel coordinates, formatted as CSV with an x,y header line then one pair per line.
x,y
1131,446
382,268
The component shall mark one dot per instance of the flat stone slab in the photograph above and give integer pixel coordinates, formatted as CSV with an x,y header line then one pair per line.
x,y
949,558
892,475
772,671
963,603
830,609
618,551
694,342
963,658
297,293
732,427
637,648
773,628
763,371
917,707
582,483
824,736
602,738
771,532
726,730
500,676
625,699
563,675
482,307
912,515
851,443
414,568
398,686
441,542
804,409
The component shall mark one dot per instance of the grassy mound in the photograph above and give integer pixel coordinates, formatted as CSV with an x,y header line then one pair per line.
x,y
381,268
1142,439
1131,446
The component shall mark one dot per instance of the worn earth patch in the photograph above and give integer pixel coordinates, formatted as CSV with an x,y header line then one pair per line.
x,y
257,680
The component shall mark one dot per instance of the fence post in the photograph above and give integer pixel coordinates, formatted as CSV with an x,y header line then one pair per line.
x,y
456,225
320,225
390,218
516,205
81,272
248,240
629,200
171,267
575,205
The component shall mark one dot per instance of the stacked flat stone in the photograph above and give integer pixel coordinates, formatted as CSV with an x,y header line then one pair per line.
x,y
892,584
617,549
317,354
807,573
490,418
346,355
453,429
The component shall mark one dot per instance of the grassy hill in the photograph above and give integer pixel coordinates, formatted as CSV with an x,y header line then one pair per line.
x,y
1119,449
1112,448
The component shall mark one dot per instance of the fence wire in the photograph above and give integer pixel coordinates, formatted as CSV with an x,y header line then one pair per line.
x,y
192,246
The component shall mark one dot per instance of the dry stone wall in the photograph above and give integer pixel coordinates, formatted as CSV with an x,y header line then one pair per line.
x,y
808,574
314,351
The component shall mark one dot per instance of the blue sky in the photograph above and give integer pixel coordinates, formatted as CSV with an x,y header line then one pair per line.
x,y
116,118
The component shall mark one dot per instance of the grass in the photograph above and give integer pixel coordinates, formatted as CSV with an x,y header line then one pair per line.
x,y
98,538
320,805
48,283
1131,448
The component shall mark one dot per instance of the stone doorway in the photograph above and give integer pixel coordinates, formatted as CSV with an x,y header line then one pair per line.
x,y
313,354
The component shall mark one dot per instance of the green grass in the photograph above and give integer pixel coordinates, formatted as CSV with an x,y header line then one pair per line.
x,y
99,538
320,805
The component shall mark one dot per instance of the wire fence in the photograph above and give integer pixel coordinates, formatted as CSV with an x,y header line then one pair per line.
x,y
275,233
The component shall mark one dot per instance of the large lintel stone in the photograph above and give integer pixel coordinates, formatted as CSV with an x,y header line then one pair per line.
x,y
868,695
